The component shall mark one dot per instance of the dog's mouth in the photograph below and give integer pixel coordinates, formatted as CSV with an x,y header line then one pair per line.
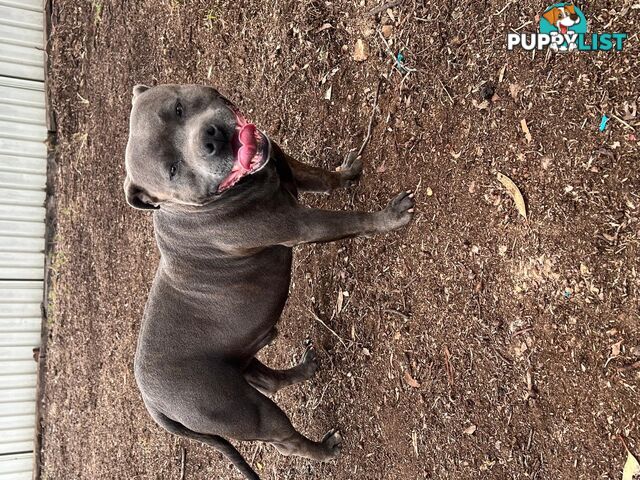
x,y
250,149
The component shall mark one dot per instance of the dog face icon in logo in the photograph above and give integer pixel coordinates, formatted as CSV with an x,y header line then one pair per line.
x,y
563,19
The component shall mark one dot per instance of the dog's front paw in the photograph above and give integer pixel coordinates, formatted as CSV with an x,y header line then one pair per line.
x,y
309,363
350,170
332,442
399,211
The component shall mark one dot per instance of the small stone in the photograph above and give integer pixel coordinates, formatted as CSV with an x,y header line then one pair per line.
x,y
387,31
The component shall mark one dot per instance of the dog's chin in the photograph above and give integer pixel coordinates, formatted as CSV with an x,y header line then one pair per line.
x,y
244,165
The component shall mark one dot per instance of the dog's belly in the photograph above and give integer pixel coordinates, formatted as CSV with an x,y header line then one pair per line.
x,y
222,312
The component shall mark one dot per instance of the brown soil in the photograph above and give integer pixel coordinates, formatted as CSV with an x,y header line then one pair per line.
x,y
472,344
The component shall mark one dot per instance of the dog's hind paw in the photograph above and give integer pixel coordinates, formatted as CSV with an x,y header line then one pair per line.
x,y
332,442
350,170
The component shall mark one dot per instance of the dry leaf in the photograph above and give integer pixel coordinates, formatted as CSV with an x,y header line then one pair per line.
x,y
630,111
631,467
525,129
412,382
480,105
470,430
360,51
615,349
340,301
514,192
327,95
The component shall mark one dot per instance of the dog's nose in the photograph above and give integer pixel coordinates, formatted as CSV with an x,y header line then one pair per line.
x,y
213,139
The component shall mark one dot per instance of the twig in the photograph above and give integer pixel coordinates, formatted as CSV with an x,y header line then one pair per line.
x,y
448,366
383,7
256,450
328,328
182,463
521,331
283,84
622,121
502,357
446,91
400,66
395,312
324,390
631,366
373,114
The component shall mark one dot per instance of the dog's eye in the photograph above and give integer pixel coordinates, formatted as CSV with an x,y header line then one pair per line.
x,y
173,170
179,110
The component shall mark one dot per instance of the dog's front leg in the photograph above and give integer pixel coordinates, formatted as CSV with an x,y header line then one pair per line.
x,y
314,225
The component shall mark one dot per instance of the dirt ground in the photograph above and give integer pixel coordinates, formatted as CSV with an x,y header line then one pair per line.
x,y
472,344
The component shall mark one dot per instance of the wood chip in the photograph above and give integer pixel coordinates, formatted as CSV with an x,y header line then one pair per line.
x,y
412,382
525,129
514,192
514,90
615,349
325,26
483,105
360,51
470,430
501,74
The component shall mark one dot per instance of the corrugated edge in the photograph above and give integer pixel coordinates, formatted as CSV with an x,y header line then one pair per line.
x,y
50,228
48,22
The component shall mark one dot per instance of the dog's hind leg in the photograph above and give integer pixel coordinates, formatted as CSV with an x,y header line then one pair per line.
x,y
269,381
237,410
275,428
315,179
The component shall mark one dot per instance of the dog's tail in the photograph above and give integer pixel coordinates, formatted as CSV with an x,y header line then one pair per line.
x,y
217,442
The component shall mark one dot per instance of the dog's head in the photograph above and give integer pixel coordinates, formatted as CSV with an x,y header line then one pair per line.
x,y
188,145
562,17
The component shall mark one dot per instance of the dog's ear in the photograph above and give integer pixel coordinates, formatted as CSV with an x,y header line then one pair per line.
x,y
571,8
551,16
137,197
137,90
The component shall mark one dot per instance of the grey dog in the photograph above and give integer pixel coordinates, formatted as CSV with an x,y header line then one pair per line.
x,y
226,216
